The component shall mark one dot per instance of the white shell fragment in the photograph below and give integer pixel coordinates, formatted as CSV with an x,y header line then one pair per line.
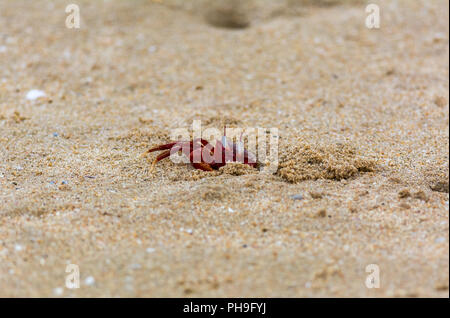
x,y
35,94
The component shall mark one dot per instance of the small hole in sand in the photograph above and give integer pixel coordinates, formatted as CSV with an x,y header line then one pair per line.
x,y
227,19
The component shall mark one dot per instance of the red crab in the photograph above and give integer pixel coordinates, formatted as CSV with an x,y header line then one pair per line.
x,y
204,156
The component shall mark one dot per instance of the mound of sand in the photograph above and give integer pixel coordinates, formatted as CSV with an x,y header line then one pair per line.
x,y
306,161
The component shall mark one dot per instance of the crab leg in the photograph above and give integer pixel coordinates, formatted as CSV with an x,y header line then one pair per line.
x,y
173,146
182,143
160,157
162,147
199,165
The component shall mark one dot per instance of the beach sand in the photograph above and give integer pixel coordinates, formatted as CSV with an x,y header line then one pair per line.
x,y
363,123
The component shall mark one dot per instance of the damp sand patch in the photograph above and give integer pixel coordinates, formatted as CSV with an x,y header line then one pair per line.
x,y
306,161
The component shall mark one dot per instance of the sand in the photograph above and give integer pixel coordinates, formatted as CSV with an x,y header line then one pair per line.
x,y
363,145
